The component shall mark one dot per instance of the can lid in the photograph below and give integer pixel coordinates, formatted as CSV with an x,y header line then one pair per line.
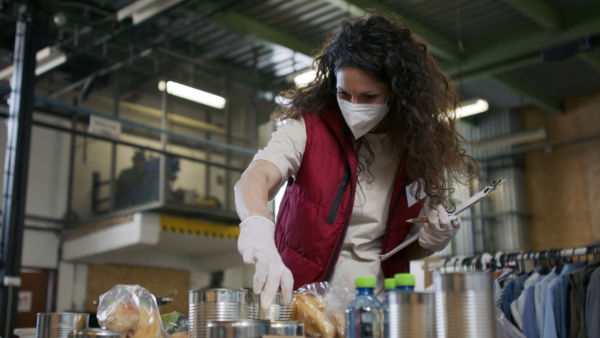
x,y
404,279
389,283
365,282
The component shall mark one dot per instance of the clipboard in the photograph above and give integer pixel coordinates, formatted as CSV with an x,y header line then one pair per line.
x,y
478,197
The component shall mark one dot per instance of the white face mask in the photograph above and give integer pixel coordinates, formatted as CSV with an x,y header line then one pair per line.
x,y
362,117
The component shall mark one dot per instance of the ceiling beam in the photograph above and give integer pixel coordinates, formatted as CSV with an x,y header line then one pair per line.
x,y
242,25
539,12
513,50
439,45
521,42
499,68
591,58
534,95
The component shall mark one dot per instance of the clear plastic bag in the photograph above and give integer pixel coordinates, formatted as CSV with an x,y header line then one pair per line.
x,y
337,299
321,306
130,309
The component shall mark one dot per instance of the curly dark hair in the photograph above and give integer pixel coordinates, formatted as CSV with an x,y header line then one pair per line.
x,y
421,126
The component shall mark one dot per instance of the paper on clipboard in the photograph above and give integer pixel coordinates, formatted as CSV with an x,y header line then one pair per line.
x,y
464,206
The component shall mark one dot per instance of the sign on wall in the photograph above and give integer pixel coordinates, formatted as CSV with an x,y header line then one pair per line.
x,y
25,298
104,127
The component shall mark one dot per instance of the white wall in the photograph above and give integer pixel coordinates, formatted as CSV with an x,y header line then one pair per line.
x,y
72,287
46,191
40,249
48,169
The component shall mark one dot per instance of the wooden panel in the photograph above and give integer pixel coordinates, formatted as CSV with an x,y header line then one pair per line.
x,y
563,184
102,278
591,155
37,284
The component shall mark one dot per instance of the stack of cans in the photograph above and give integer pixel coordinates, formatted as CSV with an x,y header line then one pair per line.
x,y
96,333
215,305
276,311
411,314
464,305
247,328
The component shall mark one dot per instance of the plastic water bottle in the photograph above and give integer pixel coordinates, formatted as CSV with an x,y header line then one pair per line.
x,y
365,316
388,284
405,282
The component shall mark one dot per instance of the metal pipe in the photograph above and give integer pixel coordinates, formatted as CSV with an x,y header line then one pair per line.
x,y
140,125
543,146
129,144
521,256
228,125
16,165
209,150
162,177
133,145
71,167
170,34
113,157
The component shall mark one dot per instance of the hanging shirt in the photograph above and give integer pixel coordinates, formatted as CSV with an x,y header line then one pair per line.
x,y
517,307
507,299
530,328
592,305
555,324
505,328
540,299
578,281
361,248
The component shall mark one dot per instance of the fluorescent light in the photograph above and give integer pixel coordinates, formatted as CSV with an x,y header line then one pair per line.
x,y
144,9
192,94
304,79
471,107
50,64
46,59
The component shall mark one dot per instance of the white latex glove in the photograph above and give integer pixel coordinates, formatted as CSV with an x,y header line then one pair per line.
x,y
256,244
436,234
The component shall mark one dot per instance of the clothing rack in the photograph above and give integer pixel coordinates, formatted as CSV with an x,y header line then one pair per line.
x,y
486,261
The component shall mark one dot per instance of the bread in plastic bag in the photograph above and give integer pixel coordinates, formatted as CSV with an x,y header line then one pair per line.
x,y
321,306
130,309
337,299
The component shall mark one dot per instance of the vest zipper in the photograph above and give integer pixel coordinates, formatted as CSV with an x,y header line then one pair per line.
x,y
336,204
338,197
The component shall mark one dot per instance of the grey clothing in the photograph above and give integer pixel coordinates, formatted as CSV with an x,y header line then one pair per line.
x,y
578,282
592,305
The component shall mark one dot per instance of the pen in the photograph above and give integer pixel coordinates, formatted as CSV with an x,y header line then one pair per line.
x,y
426,220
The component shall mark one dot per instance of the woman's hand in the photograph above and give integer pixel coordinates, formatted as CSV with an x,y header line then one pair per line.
x,y
256,244
436,234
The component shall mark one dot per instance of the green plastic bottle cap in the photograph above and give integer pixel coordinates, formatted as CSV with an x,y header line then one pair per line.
x,y
404,279
389,283
365,282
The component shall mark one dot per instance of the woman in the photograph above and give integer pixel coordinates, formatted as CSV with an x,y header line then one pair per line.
x,y
364,143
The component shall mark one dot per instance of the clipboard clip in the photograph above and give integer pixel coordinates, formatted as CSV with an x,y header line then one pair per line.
x,y
493,186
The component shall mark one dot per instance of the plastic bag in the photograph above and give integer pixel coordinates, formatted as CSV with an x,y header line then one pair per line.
x,y
130,309
176,324
337,299
321,306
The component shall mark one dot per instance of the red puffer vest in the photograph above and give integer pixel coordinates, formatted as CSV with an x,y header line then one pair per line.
x,y
317,205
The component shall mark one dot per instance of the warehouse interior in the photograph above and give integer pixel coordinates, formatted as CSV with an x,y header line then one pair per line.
x,y
102,113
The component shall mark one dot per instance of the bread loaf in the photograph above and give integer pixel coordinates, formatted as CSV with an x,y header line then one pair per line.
x,y
311,311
